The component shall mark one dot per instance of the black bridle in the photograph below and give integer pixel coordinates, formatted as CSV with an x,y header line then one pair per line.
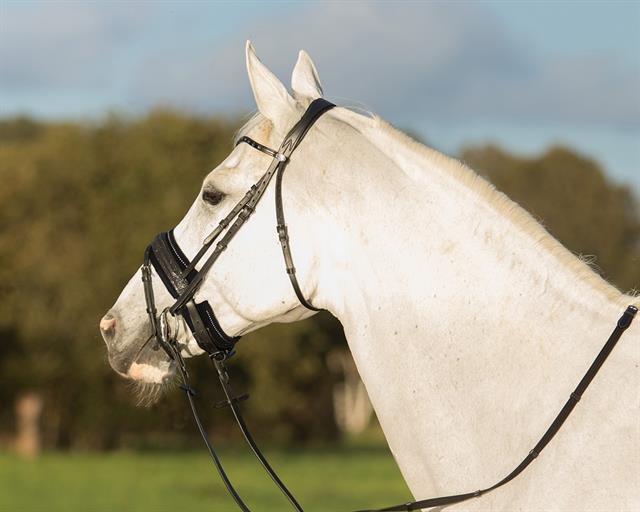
x,y
179,274
181,278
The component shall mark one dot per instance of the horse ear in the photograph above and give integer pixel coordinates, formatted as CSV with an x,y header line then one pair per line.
x,y
272,99
304,79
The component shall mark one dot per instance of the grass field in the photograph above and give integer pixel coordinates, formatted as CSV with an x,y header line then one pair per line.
x,y
323,479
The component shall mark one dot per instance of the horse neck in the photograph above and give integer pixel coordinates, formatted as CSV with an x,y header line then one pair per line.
x,y
465,318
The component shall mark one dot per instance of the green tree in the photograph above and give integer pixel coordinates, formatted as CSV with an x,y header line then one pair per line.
x,y
79,204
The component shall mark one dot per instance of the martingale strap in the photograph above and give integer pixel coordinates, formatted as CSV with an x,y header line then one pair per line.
x,y
623,324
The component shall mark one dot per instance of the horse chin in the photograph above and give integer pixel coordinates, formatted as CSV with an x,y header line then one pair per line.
x,y
150,380
157,373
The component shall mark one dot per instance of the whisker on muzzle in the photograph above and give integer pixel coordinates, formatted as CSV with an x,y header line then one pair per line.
x,y
147,394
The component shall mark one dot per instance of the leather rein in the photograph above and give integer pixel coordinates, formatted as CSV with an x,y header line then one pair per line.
x,y
182,280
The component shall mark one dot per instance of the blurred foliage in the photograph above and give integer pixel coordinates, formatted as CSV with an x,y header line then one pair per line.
x,y
79,204
81,201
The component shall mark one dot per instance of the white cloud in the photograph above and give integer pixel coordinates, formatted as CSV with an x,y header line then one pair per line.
x,y
374,52
406,61
71,45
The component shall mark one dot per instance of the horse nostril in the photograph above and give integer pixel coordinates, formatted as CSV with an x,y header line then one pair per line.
x,y
108,326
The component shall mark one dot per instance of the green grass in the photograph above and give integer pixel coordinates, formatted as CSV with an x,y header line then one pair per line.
x,y
323,479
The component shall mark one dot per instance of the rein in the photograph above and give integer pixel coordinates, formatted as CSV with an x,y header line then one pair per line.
x,y
182,280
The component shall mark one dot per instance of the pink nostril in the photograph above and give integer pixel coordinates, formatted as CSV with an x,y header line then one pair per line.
x,y
108,324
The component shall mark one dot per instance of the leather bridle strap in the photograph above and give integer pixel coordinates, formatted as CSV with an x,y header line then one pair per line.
x,y
623,324
291,142
190,393
256,145
283,237
232,401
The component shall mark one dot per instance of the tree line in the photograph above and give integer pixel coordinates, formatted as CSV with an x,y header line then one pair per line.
x,y
80,201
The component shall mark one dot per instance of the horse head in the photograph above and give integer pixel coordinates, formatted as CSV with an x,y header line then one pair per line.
x,y
248,286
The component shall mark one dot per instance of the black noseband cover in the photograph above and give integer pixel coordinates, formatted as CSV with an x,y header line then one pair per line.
x,y
169,262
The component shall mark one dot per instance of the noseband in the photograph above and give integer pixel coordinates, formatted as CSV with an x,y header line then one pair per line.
x,y
182,280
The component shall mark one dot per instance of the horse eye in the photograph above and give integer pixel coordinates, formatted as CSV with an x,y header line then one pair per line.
x,y
213,196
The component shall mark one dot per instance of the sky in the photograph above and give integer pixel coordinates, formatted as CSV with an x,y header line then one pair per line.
x,y
523,75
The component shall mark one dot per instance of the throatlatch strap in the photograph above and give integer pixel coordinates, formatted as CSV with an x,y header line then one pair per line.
x,y
290,143
623,324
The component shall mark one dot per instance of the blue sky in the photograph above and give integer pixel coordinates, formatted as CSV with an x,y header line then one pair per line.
x,y
524,75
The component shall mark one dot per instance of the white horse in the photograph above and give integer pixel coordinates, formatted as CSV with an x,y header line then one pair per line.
x,y
469,324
